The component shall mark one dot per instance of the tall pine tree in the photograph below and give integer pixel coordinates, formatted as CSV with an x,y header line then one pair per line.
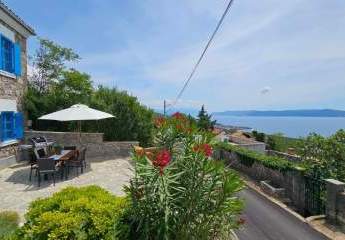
x,y
204,120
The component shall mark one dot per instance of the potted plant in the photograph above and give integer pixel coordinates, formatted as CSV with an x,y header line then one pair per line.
x,y
57,148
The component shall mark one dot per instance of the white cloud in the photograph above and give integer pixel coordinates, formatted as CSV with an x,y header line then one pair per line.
x,y
265,90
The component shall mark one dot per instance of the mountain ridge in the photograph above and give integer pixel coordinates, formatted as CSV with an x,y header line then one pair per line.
x,y
283,113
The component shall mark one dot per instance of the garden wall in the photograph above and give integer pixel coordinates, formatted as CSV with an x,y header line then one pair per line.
x,y
97,149
291,181
335,202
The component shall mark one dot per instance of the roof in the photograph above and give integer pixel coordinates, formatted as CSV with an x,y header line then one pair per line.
x,y
6,9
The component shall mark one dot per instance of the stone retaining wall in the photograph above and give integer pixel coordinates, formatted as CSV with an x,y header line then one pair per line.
x,y
291,181
65,138
97,149
335,202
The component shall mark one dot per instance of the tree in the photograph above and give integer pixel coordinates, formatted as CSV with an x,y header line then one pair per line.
x,y
49,62
132,120
73,87
67,87
324,157
204,120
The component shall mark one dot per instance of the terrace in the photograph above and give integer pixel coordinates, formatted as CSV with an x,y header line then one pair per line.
x,y
17,191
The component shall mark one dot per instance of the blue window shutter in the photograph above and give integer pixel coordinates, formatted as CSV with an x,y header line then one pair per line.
x,y
2,124
17,60
19,125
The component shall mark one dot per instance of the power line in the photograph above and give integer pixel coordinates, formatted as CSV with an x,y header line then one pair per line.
x,y
203,53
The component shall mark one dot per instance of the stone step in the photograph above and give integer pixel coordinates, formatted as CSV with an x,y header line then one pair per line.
x,y
7,161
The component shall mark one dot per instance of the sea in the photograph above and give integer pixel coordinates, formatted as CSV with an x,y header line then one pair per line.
x,y
294,127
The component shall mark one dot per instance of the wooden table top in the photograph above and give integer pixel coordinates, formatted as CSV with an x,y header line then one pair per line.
x,y
65,155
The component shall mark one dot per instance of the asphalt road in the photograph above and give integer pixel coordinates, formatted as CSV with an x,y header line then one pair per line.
x,y
266,221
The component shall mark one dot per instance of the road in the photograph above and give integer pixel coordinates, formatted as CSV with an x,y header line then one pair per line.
x,y
266,221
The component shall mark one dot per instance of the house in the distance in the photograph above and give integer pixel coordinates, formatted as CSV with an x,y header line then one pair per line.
x,y
14,33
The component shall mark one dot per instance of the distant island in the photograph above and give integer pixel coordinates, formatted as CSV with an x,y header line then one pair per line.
x,y
284,113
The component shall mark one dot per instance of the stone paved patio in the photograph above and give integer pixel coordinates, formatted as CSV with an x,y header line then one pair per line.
x,y
16,191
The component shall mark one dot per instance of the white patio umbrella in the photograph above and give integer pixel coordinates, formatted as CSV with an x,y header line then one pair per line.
x,y
78,112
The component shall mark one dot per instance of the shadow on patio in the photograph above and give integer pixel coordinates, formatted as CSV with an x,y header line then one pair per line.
x,y
21,173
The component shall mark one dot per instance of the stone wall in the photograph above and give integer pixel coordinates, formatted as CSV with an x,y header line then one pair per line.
x,y
65,138
335,202
97,149
291,181
12,87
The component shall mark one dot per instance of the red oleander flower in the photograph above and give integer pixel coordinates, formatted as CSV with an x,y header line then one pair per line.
x,y
178,115
162,160
205,148
159,121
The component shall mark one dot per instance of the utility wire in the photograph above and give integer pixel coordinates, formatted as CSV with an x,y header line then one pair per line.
x,y
203,53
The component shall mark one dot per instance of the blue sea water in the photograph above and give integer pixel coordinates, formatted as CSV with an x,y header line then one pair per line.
x,y
289,126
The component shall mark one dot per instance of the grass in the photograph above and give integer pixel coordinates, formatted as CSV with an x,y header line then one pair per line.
x,y
9,221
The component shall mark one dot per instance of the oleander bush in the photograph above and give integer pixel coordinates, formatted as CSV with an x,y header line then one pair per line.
x,y
248,157
9,221
178,190
74,213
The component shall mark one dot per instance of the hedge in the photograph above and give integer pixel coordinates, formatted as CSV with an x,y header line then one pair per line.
x,y
74,213
248,157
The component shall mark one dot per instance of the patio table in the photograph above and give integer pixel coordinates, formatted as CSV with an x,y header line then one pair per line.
x,y
65,155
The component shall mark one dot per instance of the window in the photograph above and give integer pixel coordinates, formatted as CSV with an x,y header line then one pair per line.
x,y
10,56
7,55
11,126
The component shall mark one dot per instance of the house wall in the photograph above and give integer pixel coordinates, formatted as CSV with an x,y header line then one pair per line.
x,y
12,88
248,144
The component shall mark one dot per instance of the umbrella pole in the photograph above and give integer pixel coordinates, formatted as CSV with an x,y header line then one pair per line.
x,y
79,128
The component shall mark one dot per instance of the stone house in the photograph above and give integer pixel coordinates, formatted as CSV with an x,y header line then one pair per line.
x,y
14,33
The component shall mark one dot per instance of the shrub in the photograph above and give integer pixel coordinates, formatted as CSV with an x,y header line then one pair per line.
x,y
281,143
8,224
74,213
179,191
248,157
324,156
259,136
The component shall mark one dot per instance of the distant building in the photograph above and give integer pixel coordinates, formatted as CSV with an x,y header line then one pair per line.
x,y
243,139
222,137
14,33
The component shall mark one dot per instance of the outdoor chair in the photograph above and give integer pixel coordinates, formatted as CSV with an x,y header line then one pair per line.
x,y
38,153
78,161
46,166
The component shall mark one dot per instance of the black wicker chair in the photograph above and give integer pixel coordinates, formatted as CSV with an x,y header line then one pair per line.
x,y
46,166
77,162
38,153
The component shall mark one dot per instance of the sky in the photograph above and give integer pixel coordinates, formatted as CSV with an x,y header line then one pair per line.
x,y
268,54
